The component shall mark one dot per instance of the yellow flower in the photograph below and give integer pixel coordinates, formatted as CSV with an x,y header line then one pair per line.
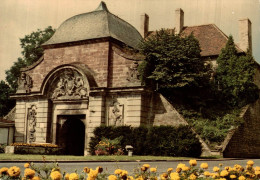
x,y
232,176
216,169
67,176
36,178
180,165
164,176
192,177
214,175
86,170
257,168
178,169
169,170
222,179
175,176
112,177
193,162
118,171
204,165
228,168
55,175
14,171
139,178
73,176
241,178
185,168
124,173
220,165
250,163
55,169
257,172
26,165
3,170
99,169
29,173
146,165
130,178
207,173
224,173
153,169
92,174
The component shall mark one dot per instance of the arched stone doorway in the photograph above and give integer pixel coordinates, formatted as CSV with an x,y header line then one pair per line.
x,y
72,136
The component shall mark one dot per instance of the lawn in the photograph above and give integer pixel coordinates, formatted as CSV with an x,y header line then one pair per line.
x,y
30,157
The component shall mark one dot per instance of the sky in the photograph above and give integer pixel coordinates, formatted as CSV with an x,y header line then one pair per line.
x,y
21,17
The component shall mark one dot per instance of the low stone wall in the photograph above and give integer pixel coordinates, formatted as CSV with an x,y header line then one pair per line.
x,y
244,141
33,150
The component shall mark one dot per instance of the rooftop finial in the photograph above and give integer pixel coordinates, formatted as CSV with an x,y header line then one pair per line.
x,y
102,7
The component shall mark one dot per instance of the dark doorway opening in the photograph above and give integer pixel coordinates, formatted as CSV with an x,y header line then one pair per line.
x,y
72,136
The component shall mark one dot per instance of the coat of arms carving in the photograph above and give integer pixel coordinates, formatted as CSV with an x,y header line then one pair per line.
x,y
69,85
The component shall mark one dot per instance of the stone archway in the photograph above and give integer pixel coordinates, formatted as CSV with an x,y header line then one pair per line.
x,y
71,136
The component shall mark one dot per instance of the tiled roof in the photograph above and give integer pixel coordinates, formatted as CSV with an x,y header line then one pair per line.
x,y
210,37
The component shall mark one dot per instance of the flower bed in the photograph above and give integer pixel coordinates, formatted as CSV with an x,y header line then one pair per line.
x,y
145,172
24,148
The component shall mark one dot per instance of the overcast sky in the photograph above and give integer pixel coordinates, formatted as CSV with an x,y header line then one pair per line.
x,y
21,17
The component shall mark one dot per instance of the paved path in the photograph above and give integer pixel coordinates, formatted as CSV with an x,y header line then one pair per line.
x,y
109,167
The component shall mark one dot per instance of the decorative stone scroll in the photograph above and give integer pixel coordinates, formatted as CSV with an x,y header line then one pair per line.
x,y
133,74
31,123
24,83
116,113
69,84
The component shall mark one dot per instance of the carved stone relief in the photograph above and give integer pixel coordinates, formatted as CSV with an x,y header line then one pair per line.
x,y
69,84
116,113
24,83
31,123
133,74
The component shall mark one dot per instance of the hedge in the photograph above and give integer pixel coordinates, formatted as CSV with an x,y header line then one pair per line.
x,y
156,140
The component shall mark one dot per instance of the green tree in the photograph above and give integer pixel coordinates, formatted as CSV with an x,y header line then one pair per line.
x,y
6,104
31,51
235,75
171,61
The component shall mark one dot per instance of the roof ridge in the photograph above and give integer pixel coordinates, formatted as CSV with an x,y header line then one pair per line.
x,y
200,25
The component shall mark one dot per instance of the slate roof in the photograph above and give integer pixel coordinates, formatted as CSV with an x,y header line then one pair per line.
x,y
96,24
210,37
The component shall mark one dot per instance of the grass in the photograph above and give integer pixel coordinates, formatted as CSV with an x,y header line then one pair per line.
x,y
30,157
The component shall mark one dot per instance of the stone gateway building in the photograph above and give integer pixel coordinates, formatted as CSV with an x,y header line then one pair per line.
x,y
88,77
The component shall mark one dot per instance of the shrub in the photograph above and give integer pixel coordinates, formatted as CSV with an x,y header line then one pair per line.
x,y
2,148
109,147
157,140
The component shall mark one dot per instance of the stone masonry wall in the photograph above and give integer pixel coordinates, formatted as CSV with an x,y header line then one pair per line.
x,y
95,56
120,69
245,141
41,126
95,117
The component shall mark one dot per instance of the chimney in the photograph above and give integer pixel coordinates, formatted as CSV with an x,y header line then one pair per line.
x,y
144,25
245,35
179,20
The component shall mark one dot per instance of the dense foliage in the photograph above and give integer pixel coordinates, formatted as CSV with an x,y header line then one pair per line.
x,y
171,61
31,51
157,140
6,104
235,73
209,101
